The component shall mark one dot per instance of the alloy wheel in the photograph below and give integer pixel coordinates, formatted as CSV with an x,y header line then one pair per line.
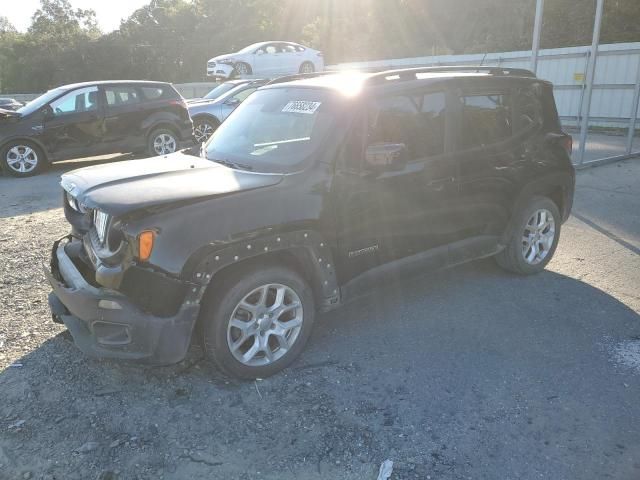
x,y
22,159
306,68
164,144
202,131
242,69
538,236
265,324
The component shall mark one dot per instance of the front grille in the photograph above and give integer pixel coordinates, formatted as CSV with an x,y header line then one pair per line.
x,y
101,223
211,64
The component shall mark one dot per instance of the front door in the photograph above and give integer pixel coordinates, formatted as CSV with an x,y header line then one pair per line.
x,y
75,125
409,209
265,60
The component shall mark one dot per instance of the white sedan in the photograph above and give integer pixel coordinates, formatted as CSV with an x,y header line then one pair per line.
x,y
267,59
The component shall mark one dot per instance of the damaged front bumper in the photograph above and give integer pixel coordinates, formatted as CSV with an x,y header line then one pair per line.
x,y
105,323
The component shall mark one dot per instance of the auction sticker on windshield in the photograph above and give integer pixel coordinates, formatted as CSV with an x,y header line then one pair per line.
x,y
301,106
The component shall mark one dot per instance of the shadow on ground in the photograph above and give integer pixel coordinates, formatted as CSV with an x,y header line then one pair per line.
x,y
468,373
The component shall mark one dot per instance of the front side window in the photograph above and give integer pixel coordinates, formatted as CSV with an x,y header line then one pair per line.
x,y
77,101
275,130
242,96
220,90
486,119
120,96
417,121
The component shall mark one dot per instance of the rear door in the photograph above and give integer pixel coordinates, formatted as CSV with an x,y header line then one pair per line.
x,y
75,126
124,114
490,158
384,216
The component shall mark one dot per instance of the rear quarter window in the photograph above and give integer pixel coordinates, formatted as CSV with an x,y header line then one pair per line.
x,y
486,119
158,92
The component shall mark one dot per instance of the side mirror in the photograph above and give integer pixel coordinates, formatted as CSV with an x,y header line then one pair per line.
x,y
47,112
232,102
386,156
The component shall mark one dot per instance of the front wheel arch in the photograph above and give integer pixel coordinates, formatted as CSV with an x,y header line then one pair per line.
x,y
305,251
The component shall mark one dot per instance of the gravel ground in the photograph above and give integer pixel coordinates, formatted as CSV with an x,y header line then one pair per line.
x,y
468,373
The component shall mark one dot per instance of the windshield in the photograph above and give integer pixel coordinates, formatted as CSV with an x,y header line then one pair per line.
x,y
274,130
220,90
40,101
250,48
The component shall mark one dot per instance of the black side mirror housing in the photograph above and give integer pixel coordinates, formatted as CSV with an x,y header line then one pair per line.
x,y
386,156
47,112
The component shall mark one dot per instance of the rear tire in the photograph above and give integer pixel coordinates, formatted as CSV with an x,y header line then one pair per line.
x,y
534,238
257,321
162,141
21,158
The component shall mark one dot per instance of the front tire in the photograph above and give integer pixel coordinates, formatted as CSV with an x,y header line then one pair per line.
x,y
258,322
242,68
22,159
534,238
203,128
307,67
162,141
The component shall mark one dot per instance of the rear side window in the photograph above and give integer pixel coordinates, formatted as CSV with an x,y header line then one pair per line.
x,y
486,119
418,121
121,96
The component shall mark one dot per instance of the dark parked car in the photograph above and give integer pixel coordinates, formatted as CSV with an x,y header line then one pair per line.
x,y
96,118
311,191
9,104
207,115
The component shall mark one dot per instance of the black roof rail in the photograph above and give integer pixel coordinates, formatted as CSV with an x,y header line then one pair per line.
x,y
412,73
299,76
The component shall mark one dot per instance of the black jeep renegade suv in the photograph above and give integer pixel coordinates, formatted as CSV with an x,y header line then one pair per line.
x,y
312,189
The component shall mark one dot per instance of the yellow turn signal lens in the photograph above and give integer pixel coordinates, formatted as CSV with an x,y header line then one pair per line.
x,y
145,244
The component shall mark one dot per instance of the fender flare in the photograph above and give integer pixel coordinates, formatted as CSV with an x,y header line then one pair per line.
x,y
308,246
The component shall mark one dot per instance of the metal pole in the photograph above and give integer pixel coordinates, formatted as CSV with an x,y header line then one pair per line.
x,y
591,70
537,28
634,112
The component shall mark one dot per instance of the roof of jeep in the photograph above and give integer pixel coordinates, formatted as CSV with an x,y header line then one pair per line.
x,y
341,81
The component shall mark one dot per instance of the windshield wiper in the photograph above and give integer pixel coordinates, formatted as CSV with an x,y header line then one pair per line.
x,y
227,163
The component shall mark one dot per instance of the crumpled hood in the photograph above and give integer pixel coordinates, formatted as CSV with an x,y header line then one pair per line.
x,y
124,187
226,56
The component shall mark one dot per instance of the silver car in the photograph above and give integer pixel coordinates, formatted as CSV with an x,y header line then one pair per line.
x,y
208,114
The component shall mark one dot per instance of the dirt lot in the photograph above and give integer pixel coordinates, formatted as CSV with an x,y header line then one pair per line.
x,y
469,373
